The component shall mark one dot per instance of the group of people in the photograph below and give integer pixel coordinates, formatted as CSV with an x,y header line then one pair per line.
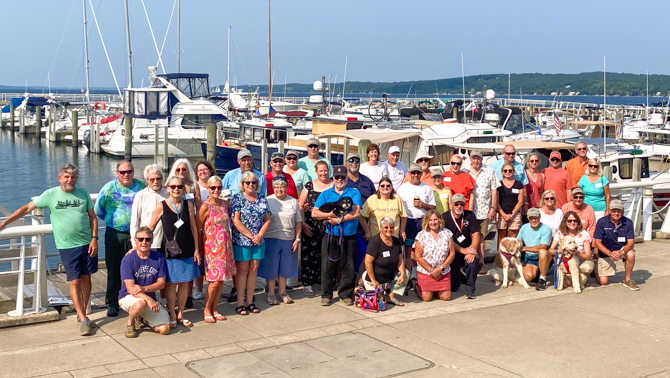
x,y
406,227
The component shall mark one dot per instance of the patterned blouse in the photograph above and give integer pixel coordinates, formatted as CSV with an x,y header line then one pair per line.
x,y
485,183
435,252
251,215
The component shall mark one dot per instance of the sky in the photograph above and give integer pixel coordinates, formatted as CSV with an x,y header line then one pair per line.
x,y
379,40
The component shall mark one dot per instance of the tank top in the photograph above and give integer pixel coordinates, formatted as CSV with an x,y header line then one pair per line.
x,y
184,236
534,190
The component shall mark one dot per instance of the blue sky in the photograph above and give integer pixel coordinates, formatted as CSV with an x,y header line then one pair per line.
x,y
384,40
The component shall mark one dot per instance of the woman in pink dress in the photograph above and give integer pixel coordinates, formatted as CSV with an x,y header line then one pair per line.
x,y
214,223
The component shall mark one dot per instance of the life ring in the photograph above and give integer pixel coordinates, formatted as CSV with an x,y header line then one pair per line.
x,y
99,105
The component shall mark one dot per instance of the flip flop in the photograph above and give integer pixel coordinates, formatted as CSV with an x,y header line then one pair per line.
x,y
396,302
219,317
173,324
186,323
209,319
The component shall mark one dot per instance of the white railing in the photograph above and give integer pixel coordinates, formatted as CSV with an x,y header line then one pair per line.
x,y
5,97
638,205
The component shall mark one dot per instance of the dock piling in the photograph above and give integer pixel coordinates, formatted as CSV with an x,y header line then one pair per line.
x,y
328,150
264,155
166,157
281,146
211,143
22,122
127,155
11,117
75,129
156,142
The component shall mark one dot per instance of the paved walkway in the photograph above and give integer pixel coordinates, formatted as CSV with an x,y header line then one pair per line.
x,y
605,331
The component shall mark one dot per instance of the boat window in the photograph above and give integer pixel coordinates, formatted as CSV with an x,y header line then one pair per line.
x,y
476,139
196,121
152,103
163,103
247,133
626,168
258,134
516,126
128,104
275,135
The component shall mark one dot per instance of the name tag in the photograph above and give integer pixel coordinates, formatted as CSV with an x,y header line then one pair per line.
x,y
447,179
179,223
288,207
386,254
621,239
515,191
262,206
460,238
444,195
599,185
189,196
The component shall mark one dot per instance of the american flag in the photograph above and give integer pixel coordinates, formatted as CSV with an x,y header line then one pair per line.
x,y
558,125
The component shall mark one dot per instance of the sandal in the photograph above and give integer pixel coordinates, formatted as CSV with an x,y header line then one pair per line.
x,y
253,309
272,300
186,323
308,291
396,302
241,310
173,324
285,298
209,319
219,317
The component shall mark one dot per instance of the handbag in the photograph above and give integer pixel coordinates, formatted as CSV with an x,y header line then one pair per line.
x,y
172,247
371,300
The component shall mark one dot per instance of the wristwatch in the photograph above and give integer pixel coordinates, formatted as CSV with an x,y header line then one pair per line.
x,y
94,237
443,269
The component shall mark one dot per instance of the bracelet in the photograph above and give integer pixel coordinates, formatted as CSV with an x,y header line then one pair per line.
x,y
297,239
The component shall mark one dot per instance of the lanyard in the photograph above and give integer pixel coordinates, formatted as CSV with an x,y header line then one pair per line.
x,y
460,228
175,207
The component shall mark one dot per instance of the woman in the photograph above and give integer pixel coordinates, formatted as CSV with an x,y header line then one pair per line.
x,y
276,166
183,169
281,242
535,185
371,168
549,213
441,192
510,202
571,225
384,263
300,176
177,218
204,171
384,203
596,189
313,229
251,221
214,221
434,252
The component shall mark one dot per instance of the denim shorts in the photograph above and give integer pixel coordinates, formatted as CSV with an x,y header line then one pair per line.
x,y
532,258
77,262
279,260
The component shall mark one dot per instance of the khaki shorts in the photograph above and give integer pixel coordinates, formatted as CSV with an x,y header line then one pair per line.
x,y
483,226
606,267
513,224
154,319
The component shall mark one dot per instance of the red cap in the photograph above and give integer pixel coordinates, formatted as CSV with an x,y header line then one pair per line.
x,y
555,154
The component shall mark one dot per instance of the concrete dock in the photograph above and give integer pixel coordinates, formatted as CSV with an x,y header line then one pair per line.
x,y
603,332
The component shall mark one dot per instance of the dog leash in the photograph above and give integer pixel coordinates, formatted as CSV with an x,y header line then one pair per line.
x,y
556,262
330,229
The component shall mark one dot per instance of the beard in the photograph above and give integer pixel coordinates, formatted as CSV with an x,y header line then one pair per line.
x,y
458,211
353,170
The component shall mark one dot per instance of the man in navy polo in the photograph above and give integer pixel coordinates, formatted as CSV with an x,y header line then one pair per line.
x,y
615,239
338,248
366,187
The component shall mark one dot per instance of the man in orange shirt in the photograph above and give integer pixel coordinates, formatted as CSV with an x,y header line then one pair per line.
x,y
460,182
558,179
425,161
578,165
584,212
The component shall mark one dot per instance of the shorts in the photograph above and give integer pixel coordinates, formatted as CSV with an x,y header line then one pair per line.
x,y
412,228
483,227
154,319
77,262
606,267
532,259
279,260
513,224
246,253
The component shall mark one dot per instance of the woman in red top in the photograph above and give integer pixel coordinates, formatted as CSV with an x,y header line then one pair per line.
x,y
460,182
276,169
535,185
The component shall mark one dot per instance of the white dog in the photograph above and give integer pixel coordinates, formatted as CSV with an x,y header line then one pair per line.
x,y
510,254
569,265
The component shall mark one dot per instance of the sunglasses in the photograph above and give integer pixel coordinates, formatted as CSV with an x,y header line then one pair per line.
x,y
173,187
155,179
385,186
250,183
215,188
339,177
456,163
415,173
581,149
578,197
459,204
142,240
533,161
555,159
549,198
508,170
593,166
313,146
277,161
125,172
571,221
422,160
509,153
181,170
291,158
352,160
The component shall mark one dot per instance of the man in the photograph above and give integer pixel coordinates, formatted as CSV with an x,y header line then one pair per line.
x,y
232,179
460,182
145,203
75,229
578,165
508,157
307,162
465,229
357,180
424,160
536,238
584,212
486,194
276,169
397,169
338,248
558,179
143,271
418,198
615,239
114,205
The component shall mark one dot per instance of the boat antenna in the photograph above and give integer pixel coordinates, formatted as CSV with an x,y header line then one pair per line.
x,y
130,52
269,60
463,75
604,105
178,36
344,82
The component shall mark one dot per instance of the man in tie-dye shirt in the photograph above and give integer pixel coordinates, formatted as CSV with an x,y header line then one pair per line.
x,y
114,205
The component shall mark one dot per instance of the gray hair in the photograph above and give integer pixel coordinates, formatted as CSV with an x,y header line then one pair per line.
x,y
68,168
252,175
152,168
191,173
387,220
146,230
122,162
279,180
596,160
580,142
169,180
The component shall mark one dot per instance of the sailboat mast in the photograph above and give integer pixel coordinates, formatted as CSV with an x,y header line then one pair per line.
x,y
269,61
178,36
130,53
88,95
604,105
228,76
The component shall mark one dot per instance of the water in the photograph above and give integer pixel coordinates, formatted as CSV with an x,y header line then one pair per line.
x,y
30,166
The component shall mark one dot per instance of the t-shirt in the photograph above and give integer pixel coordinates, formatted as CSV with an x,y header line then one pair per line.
x,y
408,191
115,204
519,170
533,237
291,190
232,181
300,178
576,168
594,192
364,185
377,208
426,178
553,221
285,213
145,272
396,174
330,195
462,227
509,197
461,183
614,237
387,258
69,216
374,172
560,181
442,200
586,215
251,216
308,166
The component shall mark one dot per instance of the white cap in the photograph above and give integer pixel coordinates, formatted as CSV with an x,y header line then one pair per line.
x,y
394,149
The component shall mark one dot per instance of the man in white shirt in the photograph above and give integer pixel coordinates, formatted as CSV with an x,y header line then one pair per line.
x,y
145,203
396,168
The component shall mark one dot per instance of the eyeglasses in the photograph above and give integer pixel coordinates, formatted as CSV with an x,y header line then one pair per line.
x,y
387,228
142,240
440,177
422,160
581,149
385,186
459,204
154,179
291,158
549,198
173,187
313,146
571,221
555,159
338,178
352,160
125,172
456,163
578,197
277,161
215,188
415,173
509,153
181,170
250,183
533,161
593,166
508,170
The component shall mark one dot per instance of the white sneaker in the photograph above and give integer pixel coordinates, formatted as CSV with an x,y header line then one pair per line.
x,y
198,295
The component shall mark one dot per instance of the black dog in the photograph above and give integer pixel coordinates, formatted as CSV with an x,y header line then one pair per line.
x,y
339,207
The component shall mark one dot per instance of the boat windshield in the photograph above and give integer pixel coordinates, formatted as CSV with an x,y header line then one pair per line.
x,y
516,126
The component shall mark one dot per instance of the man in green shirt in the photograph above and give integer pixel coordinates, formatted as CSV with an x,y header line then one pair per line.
x,y
75,229
307,163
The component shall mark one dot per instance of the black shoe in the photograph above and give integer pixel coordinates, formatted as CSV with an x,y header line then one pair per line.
x,y
541,285
232,297
470,295
189,302
113,311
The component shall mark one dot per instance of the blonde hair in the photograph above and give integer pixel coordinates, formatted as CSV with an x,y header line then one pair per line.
x,y
544,194
426,220
252,175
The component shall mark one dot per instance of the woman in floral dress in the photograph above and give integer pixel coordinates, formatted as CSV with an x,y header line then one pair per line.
x,y
214,222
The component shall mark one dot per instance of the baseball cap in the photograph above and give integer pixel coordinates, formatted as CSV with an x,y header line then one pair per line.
x,y
458,197
276,155
415,167
533,212
353,155
577,190
616,204
476,153
394,149
311,141
555,154
292,152
436,171
243,153
339,170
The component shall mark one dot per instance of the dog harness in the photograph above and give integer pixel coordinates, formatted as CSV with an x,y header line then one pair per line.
x,y
565,261
508,256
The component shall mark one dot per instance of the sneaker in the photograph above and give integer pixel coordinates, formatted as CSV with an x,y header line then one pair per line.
x,y
85,328
232,297
482,269
541,285
198,295
348,301
130,331
91,322
189,302
113,311
325,301
140,323
631,285
470,295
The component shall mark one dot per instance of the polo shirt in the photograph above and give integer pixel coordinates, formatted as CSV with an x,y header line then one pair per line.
x,y
330,195
605,229
576,168
396,174
364,185
232,181
519,171
467,223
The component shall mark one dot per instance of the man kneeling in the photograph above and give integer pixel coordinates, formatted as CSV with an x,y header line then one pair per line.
x,y
536,238
143,272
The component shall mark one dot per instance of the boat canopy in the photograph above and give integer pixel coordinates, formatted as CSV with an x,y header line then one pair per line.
x,y
32,102
190,84
148,103
374,136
